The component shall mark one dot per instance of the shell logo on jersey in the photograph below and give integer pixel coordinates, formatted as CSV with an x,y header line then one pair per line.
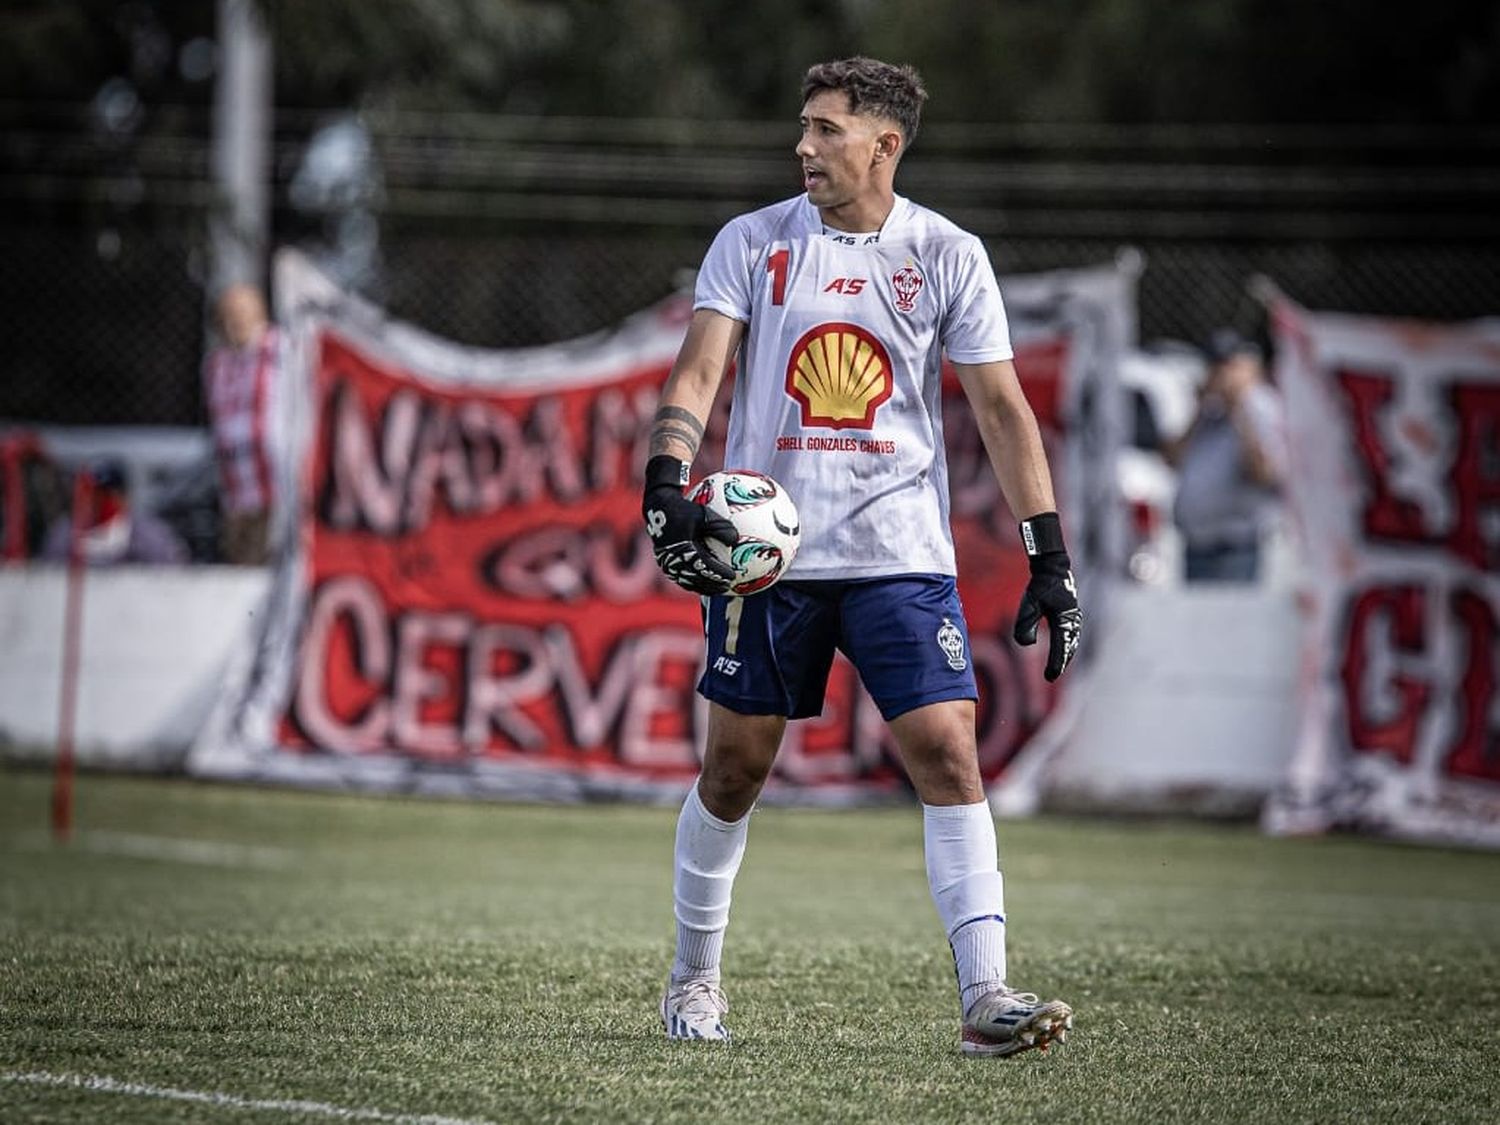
x,y
839,374
907,282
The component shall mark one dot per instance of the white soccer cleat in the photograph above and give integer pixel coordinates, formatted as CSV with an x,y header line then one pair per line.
x,y
695,1010
1005,1022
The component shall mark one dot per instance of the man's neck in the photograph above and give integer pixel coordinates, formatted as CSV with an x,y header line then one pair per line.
x,y
859,216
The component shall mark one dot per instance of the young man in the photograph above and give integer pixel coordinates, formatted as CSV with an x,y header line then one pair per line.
x,y
840,304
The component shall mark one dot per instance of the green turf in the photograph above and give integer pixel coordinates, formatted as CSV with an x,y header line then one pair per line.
x,y
503,963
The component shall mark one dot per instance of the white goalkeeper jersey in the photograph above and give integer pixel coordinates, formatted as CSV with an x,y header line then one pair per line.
x,y
838,392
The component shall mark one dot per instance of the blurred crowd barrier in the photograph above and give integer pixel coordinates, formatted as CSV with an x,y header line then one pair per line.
x,y
508,635
487,233
467,601
465,606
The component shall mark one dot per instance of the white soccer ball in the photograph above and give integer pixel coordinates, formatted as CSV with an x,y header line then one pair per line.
x,y
766,518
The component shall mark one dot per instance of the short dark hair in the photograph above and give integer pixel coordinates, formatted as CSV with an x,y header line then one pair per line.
x,y
109,473
879,89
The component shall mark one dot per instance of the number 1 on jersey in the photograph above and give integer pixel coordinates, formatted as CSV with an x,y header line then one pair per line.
x,y
733,608
776,266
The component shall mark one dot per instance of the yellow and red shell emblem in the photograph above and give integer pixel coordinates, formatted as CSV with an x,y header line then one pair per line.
x,y
839,374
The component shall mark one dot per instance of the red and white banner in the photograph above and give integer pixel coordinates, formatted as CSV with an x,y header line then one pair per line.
x,y
471,606
1395,443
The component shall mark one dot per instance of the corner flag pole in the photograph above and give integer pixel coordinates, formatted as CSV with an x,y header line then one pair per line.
x,y
62,779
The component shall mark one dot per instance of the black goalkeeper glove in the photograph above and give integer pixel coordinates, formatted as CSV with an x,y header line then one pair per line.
x,y
679,530
1050,594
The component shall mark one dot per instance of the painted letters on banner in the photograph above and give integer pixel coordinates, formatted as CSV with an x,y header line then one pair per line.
x,y
1395,439
471,606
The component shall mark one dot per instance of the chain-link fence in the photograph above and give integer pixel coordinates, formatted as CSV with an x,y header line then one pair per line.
x,y
527,290
113,335
508,233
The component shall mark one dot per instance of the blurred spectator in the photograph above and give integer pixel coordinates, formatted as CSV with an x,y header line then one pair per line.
x,y
237,384
1231,462
114,530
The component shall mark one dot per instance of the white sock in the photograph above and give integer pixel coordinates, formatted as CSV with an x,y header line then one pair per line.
x,y
963,872
706,859
979,957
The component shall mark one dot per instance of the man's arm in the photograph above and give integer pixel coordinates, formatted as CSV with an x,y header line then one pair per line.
x,y
1173,448
1249,404
1011,438
1014,444
688,394
680,529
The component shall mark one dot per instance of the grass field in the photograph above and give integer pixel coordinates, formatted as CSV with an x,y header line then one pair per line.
x,y
203,953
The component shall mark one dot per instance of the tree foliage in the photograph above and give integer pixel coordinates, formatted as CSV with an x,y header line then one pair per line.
x,y
1094,61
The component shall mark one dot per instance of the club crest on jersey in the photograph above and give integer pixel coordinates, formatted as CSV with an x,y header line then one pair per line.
x,y
907,282
951,641
840,374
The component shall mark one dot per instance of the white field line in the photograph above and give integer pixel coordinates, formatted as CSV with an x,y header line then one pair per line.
x,y
102,1085
170,849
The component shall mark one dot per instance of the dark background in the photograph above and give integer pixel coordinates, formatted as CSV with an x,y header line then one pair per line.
x,y
543,168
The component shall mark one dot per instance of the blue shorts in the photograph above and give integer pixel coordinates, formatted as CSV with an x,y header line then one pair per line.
x,y
769,654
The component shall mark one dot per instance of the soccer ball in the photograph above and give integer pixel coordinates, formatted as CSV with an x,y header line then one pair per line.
x,y
766,518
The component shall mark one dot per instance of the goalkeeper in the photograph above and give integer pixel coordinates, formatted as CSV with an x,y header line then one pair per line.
x,y
839,305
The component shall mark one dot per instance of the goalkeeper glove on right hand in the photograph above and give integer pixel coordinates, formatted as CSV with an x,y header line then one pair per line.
x,y
679,530
1050,594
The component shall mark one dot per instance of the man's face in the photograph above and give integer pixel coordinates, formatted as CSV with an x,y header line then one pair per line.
x,y
1237,373
840,151
243,316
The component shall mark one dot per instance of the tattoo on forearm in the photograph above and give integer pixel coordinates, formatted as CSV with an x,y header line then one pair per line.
x,y
675,426
668,438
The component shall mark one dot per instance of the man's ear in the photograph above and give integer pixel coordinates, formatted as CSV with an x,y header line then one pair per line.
x,y
888,145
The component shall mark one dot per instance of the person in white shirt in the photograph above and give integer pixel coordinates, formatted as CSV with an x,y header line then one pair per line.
x,y
839,305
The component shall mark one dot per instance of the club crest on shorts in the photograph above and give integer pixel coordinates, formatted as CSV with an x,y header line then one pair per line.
x,y
907,282
951,641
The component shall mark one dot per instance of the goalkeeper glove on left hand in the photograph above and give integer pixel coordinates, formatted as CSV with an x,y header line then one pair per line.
x,y
1050,594
679,530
